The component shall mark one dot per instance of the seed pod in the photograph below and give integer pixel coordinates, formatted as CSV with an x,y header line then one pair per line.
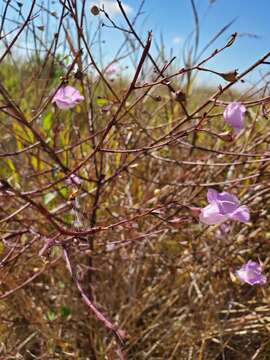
x,y
95,10
229,76
180,96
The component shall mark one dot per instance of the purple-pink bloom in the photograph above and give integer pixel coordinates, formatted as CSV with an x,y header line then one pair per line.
x,y
73,179
234,115
111,69
222,207
67,97
251,273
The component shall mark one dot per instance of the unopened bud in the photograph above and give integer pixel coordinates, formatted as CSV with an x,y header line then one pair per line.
x,y
231,39
226,136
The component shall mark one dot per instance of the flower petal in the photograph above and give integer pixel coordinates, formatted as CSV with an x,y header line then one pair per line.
x,y
227,207
212,195
234,115
67,97
62,104
241,214
210,215
225,196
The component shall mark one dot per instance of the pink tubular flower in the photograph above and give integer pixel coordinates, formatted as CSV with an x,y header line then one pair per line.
x,y
67,97
222,207
251,273
234,115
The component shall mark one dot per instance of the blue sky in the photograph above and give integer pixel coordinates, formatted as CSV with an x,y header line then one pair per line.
x,y
250,18
173,19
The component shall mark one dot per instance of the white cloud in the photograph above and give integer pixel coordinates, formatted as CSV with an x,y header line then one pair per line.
x,y
177,40
112,8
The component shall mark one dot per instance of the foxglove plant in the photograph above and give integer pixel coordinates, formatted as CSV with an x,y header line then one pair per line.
x,y
222,207
67,97
234,115
251,273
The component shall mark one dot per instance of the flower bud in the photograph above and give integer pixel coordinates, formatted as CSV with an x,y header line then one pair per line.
x,y
231,39
226,136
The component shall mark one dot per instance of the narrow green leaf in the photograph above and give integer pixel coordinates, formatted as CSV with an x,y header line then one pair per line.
x,y
49,197
101,102
47,121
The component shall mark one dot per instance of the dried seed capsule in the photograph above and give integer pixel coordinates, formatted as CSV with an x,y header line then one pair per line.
x,y
95,10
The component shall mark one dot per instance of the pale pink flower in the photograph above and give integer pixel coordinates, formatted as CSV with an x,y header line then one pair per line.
x,y
251,273
67,97
222,207
234,115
